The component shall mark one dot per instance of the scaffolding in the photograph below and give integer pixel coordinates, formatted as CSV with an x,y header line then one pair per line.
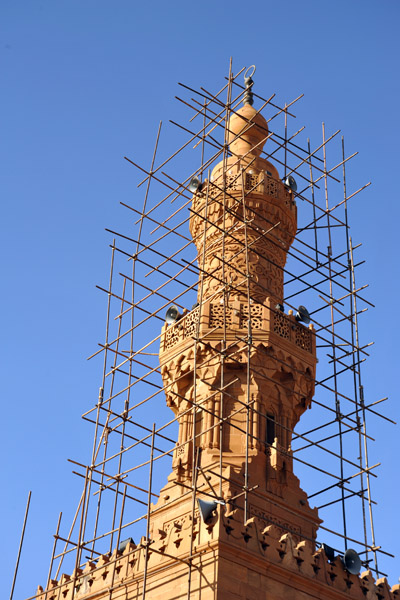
x,y
155,264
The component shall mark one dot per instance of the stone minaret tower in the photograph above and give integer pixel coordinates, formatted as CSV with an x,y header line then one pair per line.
x,y
240,390
238,373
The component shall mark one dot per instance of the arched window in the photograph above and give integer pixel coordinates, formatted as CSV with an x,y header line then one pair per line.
x,y
270,430
198,426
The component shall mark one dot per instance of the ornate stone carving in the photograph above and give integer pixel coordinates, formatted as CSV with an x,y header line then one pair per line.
x,y
243,222
256,550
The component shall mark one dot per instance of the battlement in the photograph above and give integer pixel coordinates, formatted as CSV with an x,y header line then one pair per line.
x,y
245,551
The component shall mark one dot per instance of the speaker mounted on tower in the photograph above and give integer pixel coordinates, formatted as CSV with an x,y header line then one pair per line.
x,y
124,544
329,552
351,561
195,185
303,315
290,182
172,315
206,508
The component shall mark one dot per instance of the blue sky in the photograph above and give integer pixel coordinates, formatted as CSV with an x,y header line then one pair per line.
x,y
85,83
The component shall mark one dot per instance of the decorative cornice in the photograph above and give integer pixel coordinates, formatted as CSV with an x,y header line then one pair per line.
x,y
256,547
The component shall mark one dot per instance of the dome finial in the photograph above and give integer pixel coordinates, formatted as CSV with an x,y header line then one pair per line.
x,y
248,81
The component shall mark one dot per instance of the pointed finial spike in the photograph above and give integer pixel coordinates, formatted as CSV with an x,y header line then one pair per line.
x,y
248,81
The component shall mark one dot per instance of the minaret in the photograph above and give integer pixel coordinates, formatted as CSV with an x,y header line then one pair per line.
x,y
237,371
232,522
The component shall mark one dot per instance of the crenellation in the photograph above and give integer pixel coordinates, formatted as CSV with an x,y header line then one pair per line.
x,y
383,589
270,551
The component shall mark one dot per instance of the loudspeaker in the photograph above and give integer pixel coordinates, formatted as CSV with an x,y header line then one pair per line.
x,y
172,315
124,543
290,182
206,508
195,185
352,562
329,552
303,315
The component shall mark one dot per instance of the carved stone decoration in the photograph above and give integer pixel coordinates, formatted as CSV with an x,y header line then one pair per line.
x,y
244,220
238,374
255,560
232,249
236,402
